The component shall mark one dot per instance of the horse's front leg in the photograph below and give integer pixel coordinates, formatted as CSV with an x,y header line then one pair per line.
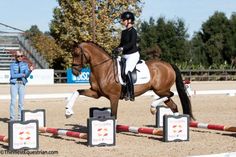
x,y
71,101
114,106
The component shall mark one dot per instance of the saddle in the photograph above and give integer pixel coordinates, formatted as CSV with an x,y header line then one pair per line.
x,y
140,74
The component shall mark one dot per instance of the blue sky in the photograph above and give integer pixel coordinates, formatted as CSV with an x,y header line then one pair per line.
x,y
24,13
193,12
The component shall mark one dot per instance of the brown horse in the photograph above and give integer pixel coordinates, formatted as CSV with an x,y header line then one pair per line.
x,y
103,79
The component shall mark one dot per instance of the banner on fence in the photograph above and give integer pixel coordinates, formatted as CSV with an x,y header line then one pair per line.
x,y
4,76
82,78
41,76
38,76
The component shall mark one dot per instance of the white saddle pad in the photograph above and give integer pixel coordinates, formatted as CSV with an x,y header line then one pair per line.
x,y
143,74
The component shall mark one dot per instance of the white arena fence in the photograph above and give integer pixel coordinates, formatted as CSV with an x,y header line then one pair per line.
x,y
148,93
60,76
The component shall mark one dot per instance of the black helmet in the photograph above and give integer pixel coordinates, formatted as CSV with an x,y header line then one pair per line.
x,y
127,16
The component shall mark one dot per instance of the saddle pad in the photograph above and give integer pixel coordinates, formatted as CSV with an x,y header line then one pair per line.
x,y
143,74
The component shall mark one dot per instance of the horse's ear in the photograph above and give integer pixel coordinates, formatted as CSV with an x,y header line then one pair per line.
x,y
75,44
75,47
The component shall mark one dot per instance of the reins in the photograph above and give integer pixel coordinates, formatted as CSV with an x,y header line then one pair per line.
x,y
102,62
115,70
83,56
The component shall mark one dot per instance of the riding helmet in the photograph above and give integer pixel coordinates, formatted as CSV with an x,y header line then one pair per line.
x,y
127,16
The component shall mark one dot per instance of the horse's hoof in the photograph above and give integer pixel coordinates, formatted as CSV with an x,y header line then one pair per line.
x,y
68,116
153,110
69,113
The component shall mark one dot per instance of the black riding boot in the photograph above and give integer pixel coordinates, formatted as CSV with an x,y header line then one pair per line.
x,y
127,92
130,87
123,92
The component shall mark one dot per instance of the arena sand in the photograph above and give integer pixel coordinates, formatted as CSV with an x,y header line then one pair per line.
x,y
214,109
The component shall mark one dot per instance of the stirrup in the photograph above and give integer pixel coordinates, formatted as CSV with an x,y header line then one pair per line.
x,y
127,97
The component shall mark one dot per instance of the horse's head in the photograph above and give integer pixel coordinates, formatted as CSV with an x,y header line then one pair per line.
x,y
79,60
88,53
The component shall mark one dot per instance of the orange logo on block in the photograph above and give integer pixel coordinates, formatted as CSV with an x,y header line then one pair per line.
x,y
177,128
102,132
24,135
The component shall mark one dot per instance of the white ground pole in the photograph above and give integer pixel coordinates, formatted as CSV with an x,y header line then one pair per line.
x,y
228,154
229,92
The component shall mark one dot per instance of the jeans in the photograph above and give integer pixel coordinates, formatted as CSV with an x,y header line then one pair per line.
x,y
18,88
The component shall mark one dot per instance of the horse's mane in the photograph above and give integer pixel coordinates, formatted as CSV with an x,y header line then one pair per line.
x,y
97,45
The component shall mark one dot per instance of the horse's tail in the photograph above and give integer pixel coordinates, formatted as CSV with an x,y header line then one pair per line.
x,y
185,102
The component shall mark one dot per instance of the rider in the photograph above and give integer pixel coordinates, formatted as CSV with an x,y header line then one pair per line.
x,y
129,49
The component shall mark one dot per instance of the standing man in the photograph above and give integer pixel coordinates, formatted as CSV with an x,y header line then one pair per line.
x,y
19,72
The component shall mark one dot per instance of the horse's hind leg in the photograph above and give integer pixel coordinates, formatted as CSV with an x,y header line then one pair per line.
x,y
166,98
171,104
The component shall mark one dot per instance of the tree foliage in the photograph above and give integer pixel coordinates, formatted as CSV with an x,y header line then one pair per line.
x,y
73,23
168,38
47,46
216,43
212,47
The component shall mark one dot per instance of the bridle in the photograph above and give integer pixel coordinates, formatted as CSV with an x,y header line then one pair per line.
x,y
81,60
82,57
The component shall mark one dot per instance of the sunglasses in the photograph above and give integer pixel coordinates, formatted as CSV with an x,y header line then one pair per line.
x,y
19,56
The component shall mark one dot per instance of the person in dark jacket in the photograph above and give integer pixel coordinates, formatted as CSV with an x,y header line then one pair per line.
x,y
129,49
19,72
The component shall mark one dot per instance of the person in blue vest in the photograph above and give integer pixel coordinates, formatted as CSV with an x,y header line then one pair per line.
x,y
128,47
19,72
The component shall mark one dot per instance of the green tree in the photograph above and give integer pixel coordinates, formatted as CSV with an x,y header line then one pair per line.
x,y
47,46
232,39
197,50
168,38
216,37
73,23
33,31
148,39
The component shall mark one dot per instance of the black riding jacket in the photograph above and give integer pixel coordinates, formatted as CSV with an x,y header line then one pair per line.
x,y
129,41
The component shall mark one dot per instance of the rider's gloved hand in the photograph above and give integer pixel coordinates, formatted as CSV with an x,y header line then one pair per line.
x,y
120,49
116,52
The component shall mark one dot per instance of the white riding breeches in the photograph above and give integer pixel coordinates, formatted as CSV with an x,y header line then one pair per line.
x,y
131,61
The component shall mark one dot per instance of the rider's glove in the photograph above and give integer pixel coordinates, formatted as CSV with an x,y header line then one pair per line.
x,y
118,50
